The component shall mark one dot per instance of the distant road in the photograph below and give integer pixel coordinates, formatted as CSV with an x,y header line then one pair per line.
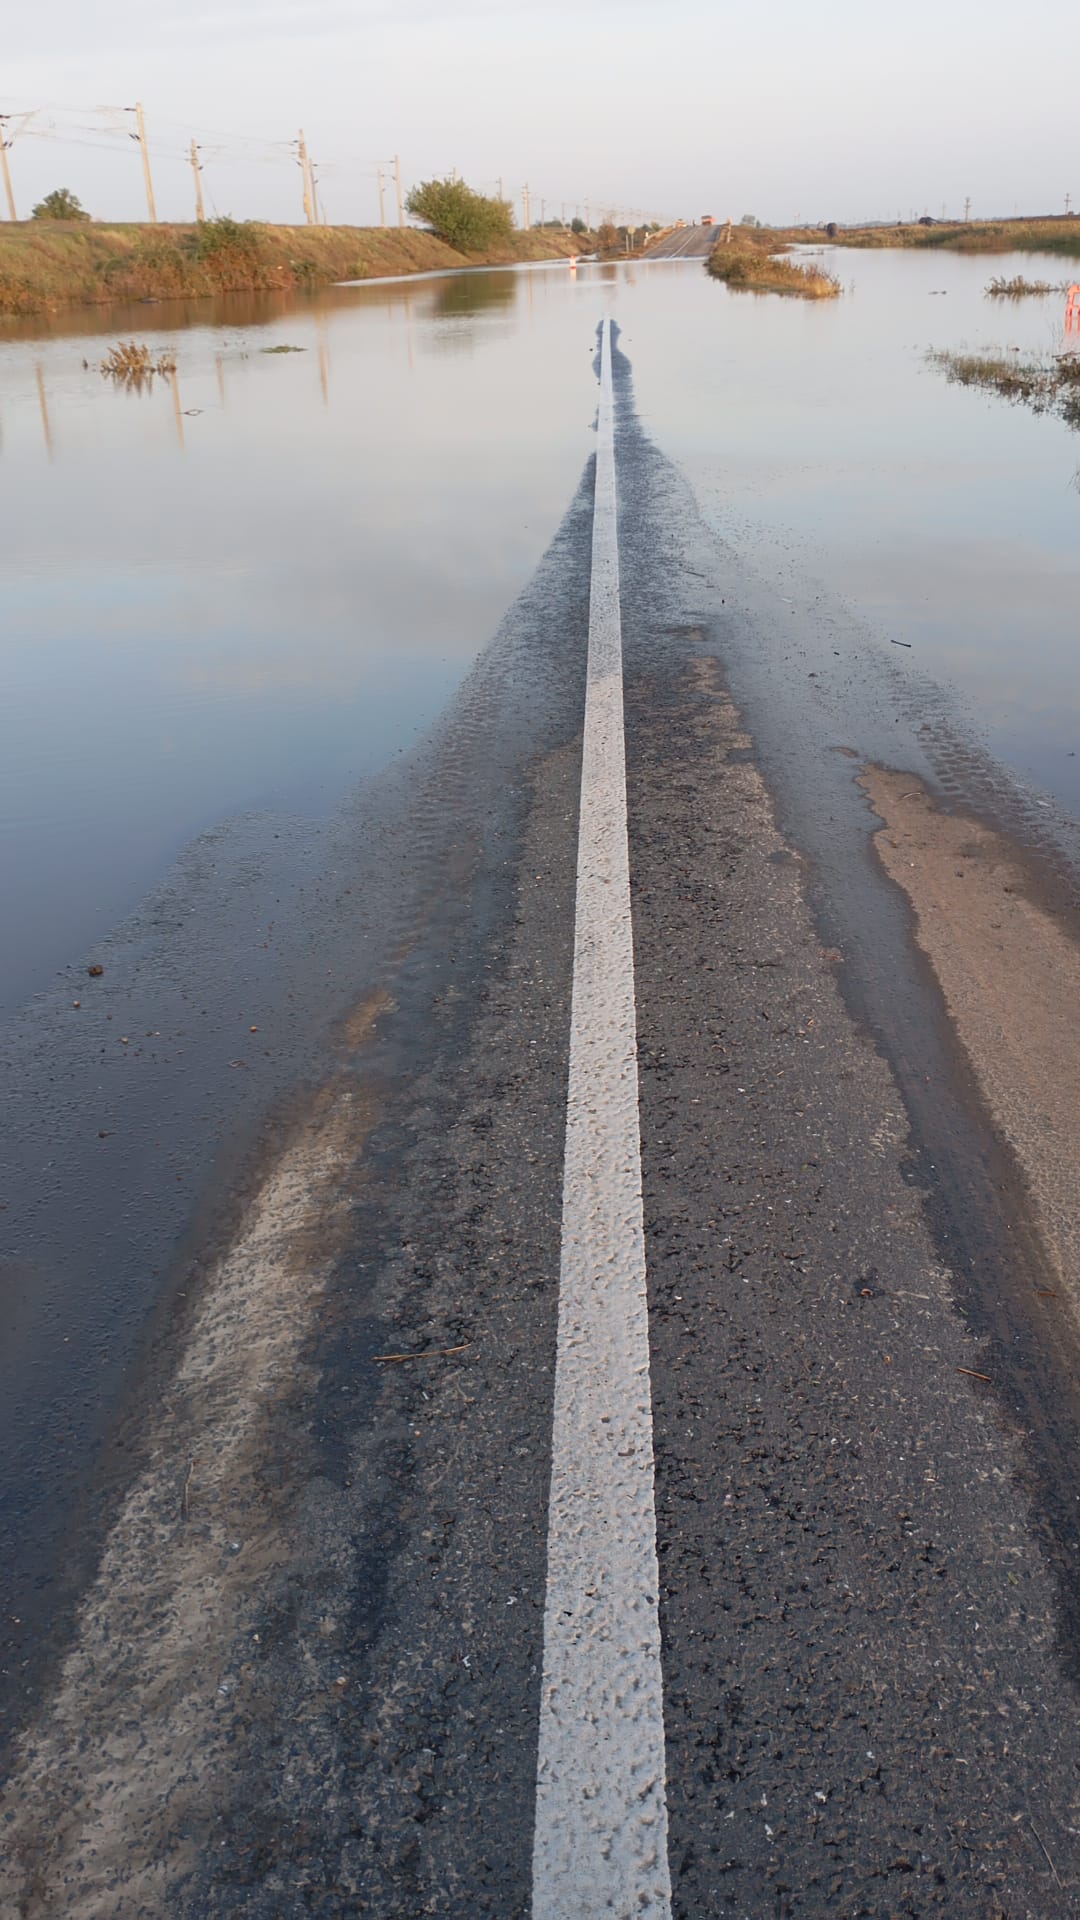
x,y
685,243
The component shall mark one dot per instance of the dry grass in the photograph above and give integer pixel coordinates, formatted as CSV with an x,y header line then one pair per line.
x,y
750,269
1051,234
135,364
46,265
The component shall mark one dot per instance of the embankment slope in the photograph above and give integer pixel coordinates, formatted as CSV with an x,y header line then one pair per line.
x,y
50,264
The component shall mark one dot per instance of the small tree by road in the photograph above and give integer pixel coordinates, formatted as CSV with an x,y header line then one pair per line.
x,y
61,204
465,219
607,236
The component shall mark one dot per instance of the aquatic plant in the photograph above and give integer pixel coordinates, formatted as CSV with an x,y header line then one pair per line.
x,y
1020,289
1050,385
135,364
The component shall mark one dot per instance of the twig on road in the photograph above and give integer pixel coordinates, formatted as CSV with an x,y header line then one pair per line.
x,y
425,1353
1043,1845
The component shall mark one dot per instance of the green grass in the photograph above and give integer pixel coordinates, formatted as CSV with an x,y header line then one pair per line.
x,y
1050,385
751,269
46,264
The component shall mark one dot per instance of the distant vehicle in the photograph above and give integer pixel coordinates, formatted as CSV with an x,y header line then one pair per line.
x,y
706,220
680,223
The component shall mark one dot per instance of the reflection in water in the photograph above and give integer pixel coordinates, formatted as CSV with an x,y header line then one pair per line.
x,y
44,405
475,293
324,357
262,623
178,413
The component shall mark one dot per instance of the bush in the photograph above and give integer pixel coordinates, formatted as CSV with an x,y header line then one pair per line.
x,y
227,235
607,236
466,220
61,204
577,225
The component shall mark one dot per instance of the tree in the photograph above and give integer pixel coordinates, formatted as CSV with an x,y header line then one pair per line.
x,y
749,220
465,219
61,204
577,225
607,236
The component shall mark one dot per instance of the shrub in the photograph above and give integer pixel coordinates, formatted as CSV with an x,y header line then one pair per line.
x,y
226,235
61,204
465,219
607,236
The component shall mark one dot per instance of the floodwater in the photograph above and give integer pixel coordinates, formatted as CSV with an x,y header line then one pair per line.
x,y
244,589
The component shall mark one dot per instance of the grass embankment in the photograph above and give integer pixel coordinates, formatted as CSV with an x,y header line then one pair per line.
x,y
1053,234
1046,386
749,267
47,264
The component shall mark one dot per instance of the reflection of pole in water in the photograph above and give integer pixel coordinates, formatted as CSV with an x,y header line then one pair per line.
x,y
324,357
44,404
174,382
408,331
219,362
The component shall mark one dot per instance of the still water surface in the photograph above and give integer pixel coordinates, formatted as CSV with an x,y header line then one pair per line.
x,y
256,583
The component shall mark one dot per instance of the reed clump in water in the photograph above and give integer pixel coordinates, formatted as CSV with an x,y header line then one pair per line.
x,y
749,269
1020,289
1051,385
136,364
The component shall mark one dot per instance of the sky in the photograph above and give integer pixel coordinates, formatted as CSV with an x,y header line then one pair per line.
x,y
842,110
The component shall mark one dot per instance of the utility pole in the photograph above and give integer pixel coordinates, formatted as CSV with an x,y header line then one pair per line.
x,y
305,175
543,211
525,202
140,136
400,198
1068,202
967,209
196,168
382,203
500,186
588,222
5,143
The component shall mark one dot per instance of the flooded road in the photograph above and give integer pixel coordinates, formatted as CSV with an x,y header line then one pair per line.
x,y
305,1129
255,584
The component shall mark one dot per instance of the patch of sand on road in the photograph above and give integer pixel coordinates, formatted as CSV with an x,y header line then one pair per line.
x,y
1009,970
120,1773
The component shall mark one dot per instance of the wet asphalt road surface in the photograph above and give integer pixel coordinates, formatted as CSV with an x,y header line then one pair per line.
x,y
868,1557
685,243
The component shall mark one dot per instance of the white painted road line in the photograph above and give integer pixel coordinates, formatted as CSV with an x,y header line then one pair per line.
x,y
600,1845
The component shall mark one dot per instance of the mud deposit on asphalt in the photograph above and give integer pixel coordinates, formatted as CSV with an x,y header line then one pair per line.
x,y
127,1760
1009,967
